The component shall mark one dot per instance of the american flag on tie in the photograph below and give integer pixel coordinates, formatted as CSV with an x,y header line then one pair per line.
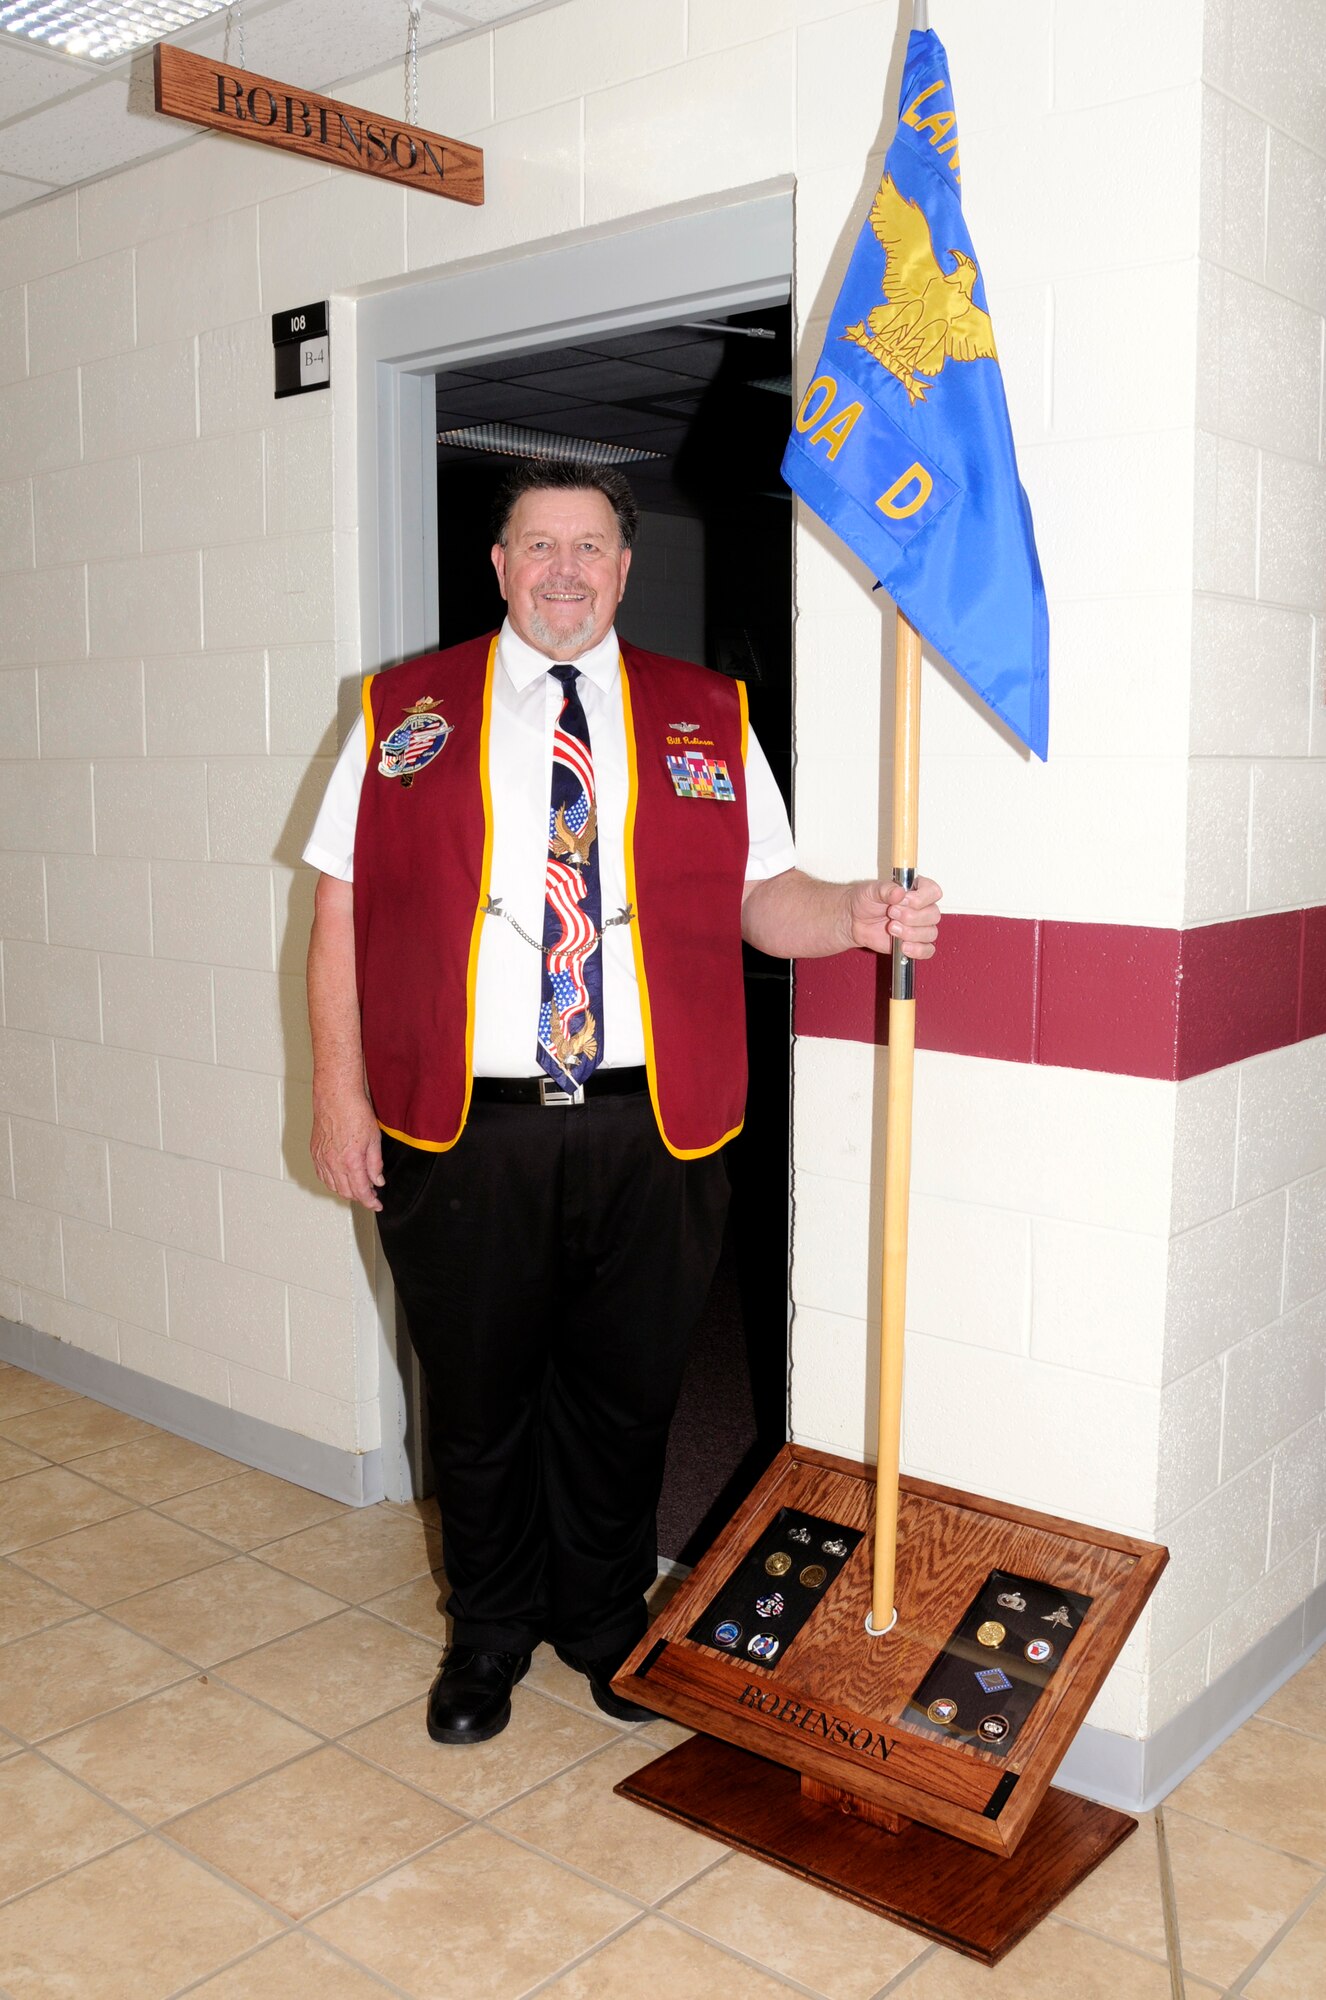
x,y
570,1038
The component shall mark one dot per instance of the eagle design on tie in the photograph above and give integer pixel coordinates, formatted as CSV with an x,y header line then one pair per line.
x,y
568,1048
573,847
929,318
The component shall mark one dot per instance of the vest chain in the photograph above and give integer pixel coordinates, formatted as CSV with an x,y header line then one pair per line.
x,y
493,908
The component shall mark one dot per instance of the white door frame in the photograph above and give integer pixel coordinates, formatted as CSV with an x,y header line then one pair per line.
x,y
693,266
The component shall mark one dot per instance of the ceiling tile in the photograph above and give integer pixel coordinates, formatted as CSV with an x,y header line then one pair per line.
x,y
28,79
702,361
475,12
525,365
598,420
317,42
611,381
499,402
14,192
670,410
456,380
646,341
88,134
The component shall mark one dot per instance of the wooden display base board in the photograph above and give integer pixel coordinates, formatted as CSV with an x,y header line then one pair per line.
x,y
831,1706
973,1902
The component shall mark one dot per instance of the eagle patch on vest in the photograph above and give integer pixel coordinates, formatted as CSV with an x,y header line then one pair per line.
x,y
414,743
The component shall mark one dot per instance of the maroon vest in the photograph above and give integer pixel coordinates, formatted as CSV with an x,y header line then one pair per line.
x,y
423,846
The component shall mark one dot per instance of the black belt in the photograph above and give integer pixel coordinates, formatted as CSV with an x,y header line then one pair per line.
x,y
542,1089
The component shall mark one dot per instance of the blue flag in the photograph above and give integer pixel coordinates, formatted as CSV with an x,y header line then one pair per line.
x,y
902,442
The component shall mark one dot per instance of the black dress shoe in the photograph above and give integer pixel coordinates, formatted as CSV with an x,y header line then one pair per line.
x,y
599,1672
471,1698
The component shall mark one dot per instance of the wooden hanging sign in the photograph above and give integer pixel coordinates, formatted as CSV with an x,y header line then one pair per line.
x,y
225,99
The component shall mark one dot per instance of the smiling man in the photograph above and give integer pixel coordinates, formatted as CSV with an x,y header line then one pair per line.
x,y
562,568
539,858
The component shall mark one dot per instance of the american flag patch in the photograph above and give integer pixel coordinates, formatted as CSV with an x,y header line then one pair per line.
x,y
413,743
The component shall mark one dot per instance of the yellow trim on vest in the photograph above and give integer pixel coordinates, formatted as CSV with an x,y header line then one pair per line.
x,y
744,700
485,877
637,943
369,729
472,974
420,1145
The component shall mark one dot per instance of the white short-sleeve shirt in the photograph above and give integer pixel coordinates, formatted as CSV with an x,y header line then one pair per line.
x,y
526,704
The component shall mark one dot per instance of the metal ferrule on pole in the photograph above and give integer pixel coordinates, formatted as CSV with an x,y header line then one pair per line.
x,y
902,970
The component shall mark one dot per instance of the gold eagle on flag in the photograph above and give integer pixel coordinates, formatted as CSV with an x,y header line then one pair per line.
x,y
930,317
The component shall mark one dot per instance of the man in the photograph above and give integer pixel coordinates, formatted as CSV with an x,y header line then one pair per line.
x,y
540,855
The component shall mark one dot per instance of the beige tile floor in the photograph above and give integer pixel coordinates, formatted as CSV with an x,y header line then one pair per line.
x,y
215,1781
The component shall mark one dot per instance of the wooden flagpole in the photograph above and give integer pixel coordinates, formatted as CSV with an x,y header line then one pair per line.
x,y
898,1132
913,1778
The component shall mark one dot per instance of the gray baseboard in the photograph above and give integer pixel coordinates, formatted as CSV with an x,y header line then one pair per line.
x,y
353,1477
1136,1775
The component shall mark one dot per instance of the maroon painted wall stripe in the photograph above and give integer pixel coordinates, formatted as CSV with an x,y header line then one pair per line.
x,y
1130,999
1312,976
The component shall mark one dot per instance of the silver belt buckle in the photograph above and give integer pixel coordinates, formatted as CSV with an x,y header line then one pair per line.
x,y
553,1093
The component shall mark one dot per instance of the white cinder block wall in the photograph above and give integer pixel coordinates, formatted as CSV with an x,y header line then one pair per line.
x,y
1241,1497
1117,1296
1041,1196
168,629
178,614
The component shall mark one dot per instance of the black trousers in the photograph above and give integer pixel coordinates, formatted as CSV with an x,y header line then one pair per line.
x,y
551,1267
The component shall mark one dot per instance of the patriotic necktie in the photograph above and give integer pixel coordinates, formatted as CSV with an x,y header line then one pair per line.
x,y
571,994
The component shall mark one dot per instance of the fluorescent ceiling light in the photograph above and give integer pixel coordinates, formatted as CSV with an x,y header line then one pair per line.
x,y
514,441
101,30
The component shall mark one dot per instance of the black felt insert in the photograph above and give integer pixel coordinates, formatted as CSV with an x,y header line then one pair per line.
x,y
992,1685
769,1606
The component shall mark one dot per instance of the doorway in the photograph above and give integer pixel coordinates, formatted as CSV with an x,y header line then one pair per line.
x,y
696,414
622,288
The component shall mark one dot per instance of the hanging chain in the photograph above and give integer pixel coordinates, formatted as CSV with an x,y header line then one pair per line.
x,y
493,908
235,19
412,63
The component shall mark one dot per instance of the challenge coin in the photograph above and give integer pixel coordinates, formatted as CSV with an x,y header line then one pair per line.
x,y
991,1633
813,1575
943,1710
728,1633
993,1680
762,1645
1038,1650
772,1606
779,1563
993,1728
